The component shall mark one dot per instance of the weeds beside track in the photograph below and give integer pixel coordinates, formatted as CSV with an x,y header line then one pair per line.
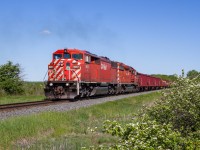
x,y
49,129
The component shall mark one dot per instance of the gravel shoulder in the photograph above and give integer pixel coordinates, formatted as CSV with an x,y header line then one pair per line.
x,y
60,107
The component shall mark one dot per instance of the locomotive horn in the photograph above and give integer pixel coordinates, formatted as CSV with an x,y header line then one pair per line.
x,y
65,50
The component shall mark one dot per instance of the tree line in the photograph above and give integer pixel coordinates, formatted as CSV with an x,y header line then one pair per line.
x,y
190,74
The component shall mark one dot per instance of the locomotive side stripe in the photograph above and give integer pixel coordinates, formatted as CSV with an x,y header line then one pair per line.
x,y
56,62
75,73
58,72
57,67
60,76
79,77
76,79
78,74
51,73
57,76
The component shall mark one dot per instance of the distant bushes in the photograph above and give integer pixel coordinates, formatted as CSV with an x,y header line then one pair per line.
x,y
190,74
28,88
166,77
33,88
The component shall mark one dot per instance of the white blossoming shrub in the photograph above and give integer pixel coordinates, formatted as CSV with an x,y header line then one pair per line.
x,y
180,106
172,123
147,134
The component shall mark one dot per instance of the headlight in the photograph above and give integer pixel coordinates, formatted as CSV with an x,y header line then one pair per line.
x,y
51,84
74,61
67,84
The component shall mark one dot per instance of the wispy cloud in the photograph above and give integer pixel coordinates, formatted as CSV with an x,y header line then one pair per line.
x,y
46,32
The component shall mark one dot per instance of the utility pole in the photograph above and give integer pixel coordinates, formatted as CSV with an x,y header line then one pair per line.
x,y
183,73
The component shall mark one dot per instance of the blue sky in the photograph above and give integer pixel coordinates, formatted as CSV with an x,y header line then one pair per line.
x,y
153,36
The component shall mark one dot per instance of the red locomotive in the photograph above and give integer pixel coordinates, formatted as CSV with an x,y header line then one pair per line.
x,y
75,73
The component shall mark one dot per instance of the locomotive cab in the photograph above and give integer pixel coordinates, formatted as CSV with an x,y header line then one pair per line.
x,y
64,73
64,64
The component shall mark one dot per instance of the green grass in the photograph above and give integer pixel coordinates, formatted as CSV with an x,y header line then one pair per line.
x,y
33,91
33,88
63,129
19,99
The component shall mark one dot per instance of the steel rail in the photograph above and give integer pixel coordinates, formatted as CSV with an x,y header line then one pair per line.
x,y
25,104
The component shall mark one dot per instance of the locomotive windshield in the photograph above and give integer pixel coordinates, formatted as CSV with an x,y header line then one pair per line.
x,y
66,55
77,56
57,56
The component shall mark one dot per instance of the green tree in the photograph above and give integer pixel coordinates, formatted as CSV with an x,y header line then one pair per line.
x,y
10,78
192,74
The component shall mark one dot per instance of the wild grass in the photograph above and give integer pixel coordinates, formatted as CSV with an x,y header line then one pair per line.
x,y
19,99
33,88
72,129
33,91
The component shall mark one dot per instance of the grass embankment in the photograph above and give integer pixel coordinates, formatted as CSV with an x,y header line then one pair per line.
x,y
71,129
33,91
20,99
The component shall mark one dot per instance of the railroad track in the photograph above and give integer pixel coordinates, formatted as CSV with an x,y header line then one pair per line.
x,y
25,104
12,110
14,106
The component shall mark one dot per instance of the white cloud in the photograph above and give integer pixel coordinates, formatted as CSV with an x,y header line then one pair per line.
x,y
46,32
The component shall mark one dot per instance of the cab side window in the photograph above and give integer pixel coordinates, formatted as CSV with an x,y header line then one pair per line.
x,y
95,60
57,56
77,56
87,58
66,56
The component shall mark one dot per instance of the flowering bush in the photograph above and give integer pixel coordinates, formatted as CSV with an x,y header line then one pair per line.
x,y
179,106
172,123
147,134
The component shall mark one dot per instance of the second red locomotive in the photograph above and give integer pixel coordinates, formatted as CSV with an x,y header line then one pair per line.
x,y
75,73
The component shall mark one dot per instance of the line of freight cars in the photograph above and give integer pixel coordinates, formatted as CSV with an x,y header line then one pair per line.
x,y
75,73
